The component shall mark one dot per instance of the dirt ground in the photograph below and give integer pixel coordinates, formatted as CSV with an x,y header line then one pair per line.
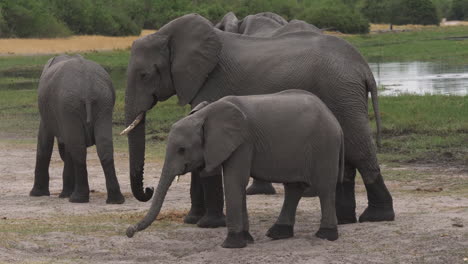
x,y
431,224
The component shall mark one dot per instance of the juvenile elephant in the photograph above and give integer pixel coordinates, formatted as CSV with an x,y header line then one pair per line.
x,y
76,99
190,58
245,136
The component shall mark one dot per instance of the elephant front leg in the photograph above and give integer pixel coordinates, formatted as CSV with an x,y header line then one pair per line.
x,y
68,175
197,209
236,172
328,224
213,200
45,145
80,192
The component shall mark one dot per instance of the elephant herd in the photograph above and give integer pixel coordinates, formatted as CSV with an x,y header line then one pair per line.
x,y
251,83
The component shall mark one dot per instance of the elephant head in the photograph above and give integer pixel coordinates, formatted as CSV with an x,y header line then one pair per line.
x,y
203,140
174,60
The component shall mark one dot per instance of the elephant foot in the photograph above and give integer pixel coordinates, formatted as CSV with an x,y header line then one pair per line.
x,y
345,215
248,237
39,192
377,214
330,234
212,221
65,194
115,198
194,215
260,187
235,240
78,198
278,231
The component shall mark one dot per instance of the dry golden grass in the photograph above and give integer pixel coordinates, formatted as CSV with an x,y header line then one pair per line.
x,y
71,44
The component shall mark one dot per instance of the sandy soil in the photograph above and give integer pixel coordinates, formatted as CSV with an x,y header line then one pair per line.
x,y
431,224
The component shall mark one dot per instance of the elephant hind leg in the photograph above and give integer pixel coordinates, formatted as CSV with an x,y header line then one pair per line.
x,y
284,226
345,197
45,145
380,202
328,224
105,150
68,175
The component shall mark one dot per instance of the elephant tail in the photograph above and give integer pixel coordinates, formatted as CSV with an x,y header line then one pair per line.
x,y
372,88
341,161
88,112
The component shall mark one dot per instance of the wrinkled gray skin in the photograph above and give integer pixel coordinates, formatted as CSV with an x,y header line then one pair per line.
x,y
264,24
190,58
245,136
76,99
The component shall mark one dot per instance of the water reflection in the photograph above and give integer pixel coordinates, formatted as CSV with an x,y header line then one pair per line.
x,y
421,78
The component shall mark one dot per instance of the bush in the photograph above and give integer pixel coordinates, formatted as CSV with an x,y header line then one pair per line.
x,y
32,19
336,17
459,10
4,30
401,12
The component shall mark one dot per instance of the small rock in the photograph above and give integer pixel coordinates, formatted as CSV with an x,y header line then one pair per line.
x,y
457,222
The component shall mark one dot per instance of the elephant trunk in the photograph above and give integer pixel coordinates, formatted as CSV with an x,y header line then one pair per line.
x,y
161,191
136,143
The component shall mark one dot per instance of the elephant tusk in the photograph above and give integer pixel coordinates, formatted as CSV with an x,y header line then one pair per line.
x,y
133,124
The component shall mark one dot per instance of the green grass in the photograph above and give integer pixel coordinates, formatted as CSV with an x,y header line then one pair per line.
x,y
430,44
415,128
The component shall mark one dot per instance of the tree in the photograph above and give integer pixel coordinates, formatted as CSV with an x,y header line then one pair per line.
x,y
459,10
401,12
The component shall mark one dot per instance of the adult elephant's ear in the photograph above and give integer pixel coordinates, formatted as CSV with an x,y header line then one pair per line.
x,y
194,49
224,130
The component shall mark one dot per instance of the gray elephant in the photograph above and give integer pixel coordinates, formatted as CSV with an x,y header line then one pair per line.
x,y
76,100
190,58
264,24
245,136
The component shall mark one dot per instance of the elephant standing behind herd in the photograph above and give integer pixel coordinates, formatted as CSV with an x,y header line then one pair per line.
x,y
261,54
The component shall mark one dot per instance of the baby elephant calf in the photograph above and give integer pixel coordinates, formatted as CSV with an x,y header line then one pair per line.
x,y
289,137
76,100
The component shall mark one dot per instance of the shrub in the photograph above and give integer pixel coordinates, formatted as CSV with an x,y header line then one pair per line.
x,y
459,10
336,17
400,12
32,19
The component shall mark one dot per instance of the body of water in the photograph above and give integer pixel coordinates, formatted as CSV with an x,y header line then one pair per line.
x,y
421,78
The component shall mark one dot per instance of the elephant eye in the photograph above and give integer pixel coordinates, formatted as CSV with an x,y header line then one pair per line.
x,y
143,75
181,151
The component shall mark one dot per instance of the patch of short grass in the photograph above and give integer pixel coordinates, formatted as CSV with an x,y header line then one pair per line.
x,y
426,44
106,224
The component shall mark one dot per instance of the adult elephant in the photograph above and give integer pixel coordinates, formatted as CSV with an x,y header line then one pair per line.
x,y
190,58
265,24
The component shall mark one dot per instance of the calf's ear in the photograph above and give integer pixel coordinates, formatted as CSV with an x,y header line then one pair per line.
x,y
224,130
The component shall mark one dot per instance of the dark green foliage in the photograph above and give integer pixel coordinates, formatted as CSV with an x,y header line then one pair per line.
x,y
400,12
459,10
25,18
336,17
58,18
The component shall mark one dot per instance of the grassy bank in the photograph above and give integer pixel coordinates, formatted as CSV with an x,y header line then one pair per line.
x,y
443,44
415,128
